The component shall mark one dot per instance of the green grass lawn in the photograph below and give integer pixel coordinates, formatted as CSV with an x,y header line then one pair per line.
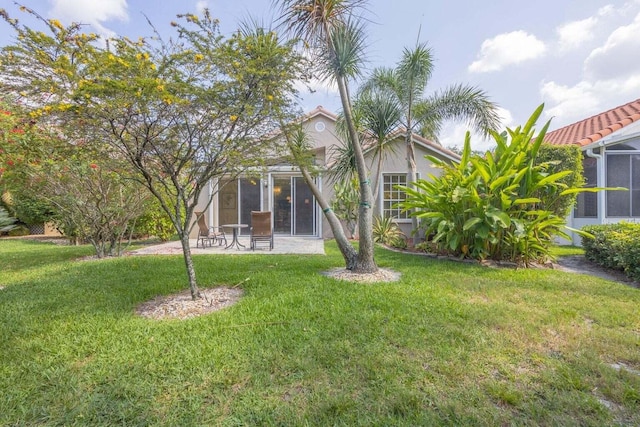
x,y
448,344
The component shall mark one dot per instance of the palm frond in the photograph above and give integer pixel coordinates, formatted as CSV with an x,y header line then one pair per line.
x,y
466,103
414,71
344,163
345,53
312,20
382,80
381,115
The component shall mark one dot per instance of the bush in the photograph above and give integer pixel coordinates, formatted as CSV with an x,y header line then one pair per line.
x,y
388,233
615,246
561,158
7,223
154,222
31,209
19,230
499,206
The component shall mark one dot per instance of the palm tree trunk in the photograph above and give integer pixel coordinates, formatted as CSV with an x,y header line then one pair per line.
x,y
376,190
346,249
412,176
365,262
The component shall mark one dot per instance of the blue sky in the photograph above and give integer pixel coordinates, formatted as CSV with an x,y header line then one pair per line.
x,y
579,57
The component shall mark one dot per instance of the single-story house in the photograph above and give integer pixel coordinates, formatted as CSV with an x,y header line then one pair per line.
x,y
610,142
283,191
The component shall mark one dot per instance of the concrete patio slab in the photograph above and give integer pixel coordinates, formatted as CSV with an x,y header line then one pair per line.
x,y
281,245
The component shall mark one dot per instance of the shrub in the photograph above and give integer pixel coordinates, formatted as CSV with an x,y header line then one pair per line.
x,y
31,208
388,233
7,223
615,246
19,230
154,222
561,158
497,206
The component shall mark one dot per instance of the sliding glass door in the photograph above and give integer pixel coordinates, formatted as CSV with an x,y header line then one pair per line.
x,y
237,198
294,210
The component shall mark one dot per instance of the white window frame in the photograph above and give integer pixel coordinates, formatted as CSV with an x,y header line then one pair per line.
x,y
383,212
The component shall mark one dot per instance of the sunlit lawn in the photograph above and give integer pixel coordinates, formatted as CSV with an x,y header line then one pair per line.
x,y
448,344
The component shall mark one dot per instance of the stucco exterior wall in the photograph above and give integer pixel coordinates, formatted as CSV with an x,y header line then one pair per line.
x,y
321,130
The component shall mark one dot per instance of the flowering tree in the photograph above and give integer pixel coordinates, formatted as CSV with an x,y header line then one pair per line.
x,y
88,191
181,112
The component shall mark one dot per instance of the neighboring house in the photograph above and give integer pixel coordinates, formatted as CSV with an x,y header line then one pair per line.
x,y
610,142
283,191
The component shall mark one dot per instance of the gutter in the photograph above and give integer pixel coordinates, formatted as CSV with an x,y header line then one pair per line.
x,y
600,175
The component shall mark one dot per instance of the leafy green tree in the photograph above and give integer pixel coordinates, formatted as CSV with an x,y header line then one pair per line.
x,y
489,207
407,82
335,38
50,178
180,112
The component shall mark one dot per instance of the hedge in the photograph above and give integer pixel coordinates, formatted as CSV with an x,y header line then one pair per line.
x,y
562,158
615,246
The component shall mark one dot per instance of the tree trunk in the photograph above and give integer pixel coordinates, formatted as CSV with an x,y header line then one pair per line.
x,y
191,272
365,262
412,176
346,249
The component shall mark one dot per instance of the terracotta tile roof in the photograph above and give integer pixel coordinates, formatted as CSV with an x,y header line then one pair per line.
x,y
319,110
597,127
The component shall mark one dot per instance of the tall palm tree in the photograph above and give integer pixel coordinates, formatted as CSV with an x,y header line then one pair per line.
x,y
377,116
334,35
425,114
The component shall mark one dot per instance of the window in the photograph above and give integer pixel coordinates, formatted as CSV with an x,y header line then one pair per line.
x,y
587,203
623,170
392,195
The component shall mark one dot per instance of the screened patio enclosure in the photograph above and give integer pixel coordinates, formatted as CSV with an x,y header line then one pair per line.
x,y
288,197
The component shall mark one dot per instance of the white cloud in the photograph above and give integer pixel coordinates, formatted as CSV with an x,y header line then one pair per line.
x,y
573,34
453,134
93,12
611,76
619,56
568,104
507,49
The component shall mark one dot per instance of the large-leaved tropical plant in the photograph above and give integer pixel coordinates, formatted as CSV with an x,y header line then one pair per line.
x,y
489,207
7,223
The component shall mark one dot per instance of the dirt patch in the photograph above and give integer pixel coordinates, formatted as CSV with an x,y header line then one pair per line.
x,y
579,264
570,264
382,275
182,306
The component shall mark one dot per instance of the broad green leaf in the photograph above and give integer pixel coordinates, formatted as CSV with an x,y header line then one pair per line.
x,y
500,217
591,190
526,201
499,181
471,222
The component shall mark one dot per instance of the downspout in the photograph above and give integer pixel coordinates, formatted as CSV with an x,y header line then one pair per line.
x,y
600,179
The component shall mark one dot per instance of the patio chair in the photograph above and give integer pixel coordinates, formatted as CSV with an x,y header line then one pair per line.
x,y
261,230
209,235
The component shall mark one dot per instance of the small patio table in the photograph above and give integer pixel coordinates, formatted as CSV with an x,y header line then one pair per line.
x,y
236,230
